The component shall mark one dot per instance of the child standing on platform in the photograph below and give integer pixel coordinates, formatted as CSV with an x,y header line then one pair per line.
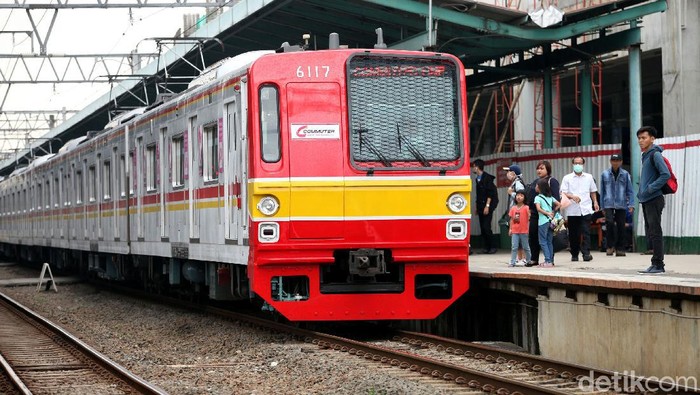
x,y
546,207
519,225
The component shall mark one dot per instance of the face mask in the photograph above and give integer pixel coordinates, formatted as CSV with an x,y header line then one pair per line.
x,y
578,168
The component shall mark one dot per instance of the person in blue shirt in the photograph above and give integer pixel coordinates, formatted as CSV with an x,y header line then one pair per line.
x,y
544,172
546,207
654,175
617,199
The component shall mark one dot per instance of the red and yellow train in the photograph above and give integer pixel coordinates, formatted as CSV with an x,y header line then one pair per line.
x,y
333,185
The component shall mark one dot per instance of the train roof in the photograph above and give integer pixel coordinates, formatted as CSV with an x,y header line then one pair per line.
x,y
227,66
124,117
18,171
71,144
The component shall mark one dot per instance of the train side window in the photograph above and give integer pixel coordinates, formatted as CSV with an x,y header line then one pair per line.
x,y
269,124
56,192
210,153
131,172
178,161
39,194
107,178
78,187
151,168
122,176
92,182
47,198
69,189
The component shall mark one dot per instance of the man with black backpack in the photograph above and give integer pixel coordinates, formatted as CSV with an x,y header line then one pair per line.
x,y
654,175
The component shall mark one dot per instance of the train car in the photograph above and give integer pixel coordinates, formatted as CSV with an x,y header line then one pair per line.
x,y
330,185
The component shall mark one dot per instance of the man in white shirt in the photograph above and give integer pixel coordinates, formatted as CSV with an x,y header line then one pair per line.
x,y
580,188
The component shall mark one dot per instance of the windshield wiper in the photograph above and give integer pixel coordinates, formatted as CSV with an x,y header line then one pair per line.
x,y
372,148
411,148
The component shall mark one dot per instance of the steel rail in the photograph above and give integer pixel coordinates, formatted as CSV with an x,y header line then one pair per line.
x,y
534,362
464,376
135,382
14,378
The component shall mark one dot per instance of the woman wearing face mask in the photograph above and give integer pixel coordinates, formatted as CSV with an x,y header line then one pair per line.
x,y
544,172
580,188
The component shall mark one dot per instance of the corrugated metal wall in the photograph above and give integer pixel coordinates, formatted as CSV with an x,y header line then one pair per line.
x,y
681,217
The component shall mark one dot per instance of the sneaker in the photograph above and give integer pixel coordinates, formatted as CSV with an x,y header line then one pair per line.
x,y
652,270
587,258
620,253
547,264
531,264
512,264
574,259
522,262
609,251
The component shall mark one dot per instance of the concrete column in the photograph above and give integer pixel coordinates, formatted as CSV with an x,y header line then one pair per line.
x,y
586,106
681,69
547,110
635,88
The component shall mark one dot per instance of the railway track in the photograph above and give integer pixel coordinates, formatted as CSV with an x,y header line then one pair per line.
x,y
538,370
38,357
459,366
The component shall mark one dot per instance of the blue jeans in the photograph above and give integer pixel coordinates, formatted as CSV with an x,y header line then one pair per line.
x,y
546,235
516,240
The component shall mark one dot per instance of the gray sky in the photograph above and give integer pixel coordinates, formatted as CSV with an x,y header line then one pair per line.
x,y
80,31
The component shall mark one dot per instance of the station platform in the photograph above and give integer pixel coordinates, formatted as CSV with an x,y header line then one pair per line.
x,y
682,272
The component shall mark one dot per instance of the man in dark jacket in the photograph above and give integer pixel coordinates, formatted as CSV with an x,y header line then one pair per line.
x,y
616,201
654,175
486,202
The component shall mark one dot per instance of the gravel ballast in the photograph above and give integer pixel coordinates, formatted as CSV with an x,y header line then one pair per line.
x,y
184,352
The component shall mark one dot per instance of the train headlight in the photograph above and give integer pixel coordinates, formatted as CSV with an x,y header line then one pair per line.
x,y
456,203
268,205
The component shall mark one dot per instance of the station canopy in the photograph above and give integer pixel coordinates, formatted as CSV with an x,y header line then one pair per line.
x,y
496,44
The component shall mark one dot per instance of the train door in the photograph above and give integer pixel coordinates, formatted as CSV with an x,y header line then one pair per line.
x,y
84,197
75,201
235,169
46,226
99,196
55,211
115,189
163,162
62,221
242,124
139,187
192,149
316,160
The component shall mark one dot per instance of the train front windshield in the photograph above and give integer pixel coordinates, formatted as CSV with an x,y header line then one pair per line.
x,y
404,112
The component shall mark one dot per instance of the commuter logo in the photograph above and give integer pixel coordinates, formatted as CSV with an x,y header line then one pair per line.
x,y
307,132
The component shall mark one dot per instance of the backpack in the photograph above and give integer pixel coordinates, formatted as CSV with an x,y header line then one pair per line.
x,y
671,186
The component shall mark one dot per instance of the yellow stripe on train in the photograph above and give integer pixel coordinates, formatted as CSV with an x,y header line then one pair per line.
x,y
359,197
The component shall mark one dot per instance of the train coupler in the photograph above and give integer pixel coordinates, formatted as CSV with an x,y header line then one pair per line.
x,y
367,262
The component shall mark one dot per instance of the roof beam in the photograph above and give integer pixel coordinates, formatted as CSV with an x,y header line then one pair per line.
x,y
362,13
34,69
539,35
558,58
105,4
